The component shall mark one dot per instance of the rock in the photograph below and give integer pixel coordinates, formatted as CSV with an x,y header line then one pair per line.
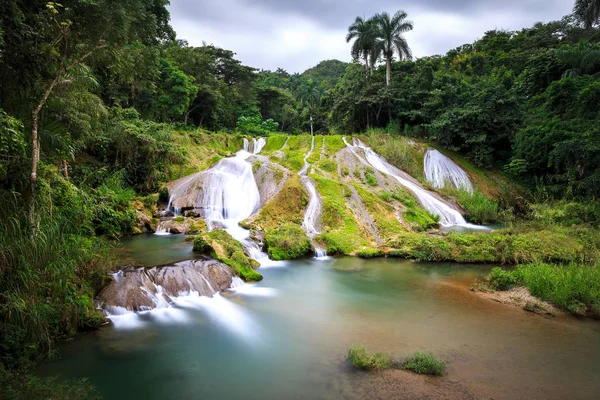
x,y
137,289
191,214
166,213
144,223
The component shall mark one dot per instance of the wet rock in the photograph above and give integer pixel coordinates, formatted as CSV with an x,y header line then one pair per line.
x,y
166,213
138,289
192,214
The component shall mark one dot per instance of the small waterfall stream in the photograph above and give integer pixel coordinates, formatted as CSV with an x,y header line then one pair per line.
x,y
440,170
312,214
257,145
448,215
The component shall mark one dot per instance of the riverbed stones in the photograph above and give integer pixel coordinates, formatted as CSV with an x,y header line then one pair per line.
x,y
139,289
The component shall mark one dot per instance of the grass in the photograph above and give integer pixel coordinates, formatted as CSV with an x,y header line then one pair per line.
x,y
287,207
398,152
516,245
573,287
370,253
334,143
341,233
222,246
425,363
361,359
274,142
287,242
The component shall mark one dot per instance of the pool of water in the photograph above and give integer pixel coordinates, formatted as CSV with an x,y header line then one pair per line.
x,y
286,337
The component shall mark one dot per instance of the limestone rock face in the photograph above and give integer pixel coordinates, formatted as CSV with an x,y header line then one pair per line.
x,y
138,289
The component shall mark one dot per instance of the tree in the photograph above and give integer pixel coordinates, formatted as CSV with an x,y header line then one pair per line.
x,y
390,33
587,11
581,59
365,46
310,95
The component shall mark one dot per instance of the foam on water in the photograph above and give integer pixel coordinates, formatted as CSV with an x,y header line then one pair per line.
x,y
440,170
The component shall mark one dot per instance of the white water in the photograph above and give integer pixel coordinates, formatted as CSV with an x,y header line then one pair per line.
x,y
162,228
440,170
310,223
257,145
448,215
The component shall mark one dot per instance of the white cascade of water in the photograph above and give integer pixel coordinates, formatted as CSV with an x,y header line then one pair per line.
x,y
163,228
448,215
440,170
257,145
229,195
310,223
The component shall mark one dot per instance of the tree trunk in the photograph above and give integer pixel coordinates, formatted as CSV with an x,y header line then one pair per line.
x,y
66,169
311,126
367,65
367,117
388,72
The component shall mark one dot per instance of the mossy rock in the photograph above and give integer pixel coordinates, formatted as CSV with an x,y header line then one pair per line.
x,y
222,246
287,242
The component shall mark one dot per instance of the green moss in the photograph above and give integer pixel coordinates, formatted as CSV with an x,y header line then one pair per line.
x,y
222,246
287,242
334,143
179,219
370,179
287,207
506,246
361,359
425,363
341,233
274,142
370,253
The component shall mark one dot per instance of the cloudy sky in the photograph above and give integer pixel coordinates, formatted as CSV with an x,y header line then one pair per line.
x,y
297,34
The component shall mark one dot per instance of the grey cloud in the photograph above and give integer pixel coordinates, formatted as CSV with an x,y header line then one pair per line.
x,y
298,34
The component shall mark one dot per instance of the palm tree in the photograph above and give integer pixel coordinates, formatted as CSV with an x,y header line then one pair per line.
x,y
588,11
390,34
581,59
310,94
364,33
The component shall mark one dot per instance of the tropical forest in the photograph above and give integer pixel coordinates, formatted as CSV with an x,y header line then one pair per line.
x,y
177,224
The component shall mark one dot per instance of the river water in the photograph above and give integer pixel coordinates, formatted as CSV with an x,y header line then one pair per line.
x,y
286,337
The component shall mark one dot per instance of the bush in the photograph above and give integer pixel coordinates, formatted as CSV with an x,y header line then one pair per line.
x,y
361,359
479,208
499,279
370,253
425,364
287,242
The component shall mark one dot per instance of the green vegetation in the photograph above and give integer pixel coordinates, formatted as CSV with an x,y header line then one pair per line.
x,y
573,287
287,242
361,359
370,253
222,246
517,245
425,363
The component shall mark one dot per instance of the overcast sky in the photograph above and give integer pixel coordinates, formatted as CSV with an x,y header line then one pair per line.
x,y
298,34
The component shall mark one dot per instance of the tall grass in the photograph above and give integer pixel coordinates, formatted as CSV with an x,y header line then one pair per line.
x,y
399,152
49,273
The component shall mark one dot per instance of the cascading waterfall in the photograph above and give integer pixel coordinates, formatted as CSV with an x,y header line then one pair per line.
x,y
310,223
257,145
448,215
440,170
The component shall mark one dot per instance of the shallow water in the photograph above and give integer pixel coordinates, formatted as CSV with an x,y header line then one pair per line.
x,y
287,336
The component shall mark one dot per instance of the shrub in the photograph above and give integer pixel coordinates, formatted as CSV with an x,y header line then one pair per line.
x,y
370,179
370,253
361,359
425,364
287,242
479,208
201,246
500,279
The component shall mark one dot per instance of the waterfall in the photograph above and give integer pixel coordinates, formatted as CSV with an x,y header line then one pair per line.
x,y
440,169
448,215
226,195
310,223
163,227
257,145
